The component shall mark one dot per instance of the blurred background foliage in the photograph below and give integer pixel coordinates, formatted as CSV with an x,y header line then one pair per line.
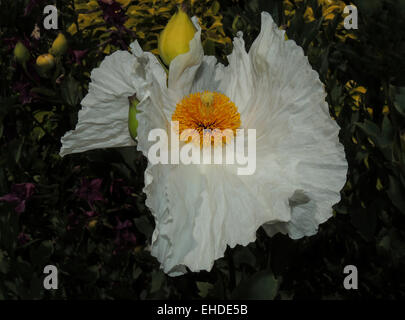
x,y
86,213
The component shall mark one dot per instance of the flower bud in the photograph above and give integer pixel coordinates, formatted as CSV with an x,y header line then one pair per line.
x,y
176,36
21,53
132,121
59,45
92,224
45,62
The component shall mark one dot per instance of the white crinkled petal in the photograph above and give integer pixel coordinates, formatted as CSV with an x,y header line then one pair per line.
x,y
231,213
157,179
202,209
195,219
146,68
154,110
237,79
103,120
175,206
151,116
208,76
293,122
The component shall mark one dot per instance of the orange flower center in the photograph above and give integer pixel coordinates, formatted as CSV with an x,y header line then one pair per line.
x,y
210,117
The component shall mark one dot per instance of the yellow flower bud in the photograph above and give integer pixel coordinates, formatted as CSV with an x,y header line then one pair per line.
x,y
59,45
132,121
92,224
138,249
45,62
21,53
176,36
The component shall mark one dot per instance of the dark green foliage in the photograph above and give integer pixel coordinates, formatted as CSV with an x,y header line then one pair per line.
x,y
87,209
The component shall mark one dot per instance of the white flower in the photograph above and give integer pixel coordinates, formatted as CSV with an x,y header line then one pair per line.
x,y
200,209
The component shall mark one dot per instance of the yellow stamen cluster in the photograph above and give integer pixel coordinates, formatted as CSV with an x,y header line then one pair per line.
x,y
209,114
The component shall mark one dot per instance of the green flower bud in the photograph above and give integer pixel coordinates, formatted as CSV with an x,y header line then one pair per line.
x,y
59,45
21,53
176,36
45,62
132,121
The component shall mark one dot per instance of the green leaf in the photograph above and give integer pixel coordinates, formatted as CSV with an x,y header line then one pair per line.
x,y
261,286
18,152
22,268
369,7
215,7
158,278
70,90
369,128
243,255
136,272
396,193
204,288
209,47
9,229
143,225
4,265
40,254
365,221
383,139
43,91
36,287
400,100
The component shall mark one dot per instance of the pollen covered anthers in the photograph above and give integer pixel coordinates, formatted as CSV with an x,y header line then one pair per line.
x,y
207,118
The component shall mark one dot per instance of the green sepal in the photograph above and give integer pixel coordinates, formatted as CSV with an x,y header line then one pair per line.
x,y
132,121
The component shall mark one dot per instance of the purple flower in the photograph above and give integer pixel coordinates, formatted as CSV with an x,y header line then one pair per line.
x,y
123,225
78,55
72,221
23,238
24,90
113,13
119,190
91,213
124,236
31,5
90,191
127,237
20,193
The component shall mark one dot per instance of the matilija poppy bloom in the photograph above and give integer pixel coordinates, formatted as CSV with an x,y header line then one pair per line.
x,y
200,209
